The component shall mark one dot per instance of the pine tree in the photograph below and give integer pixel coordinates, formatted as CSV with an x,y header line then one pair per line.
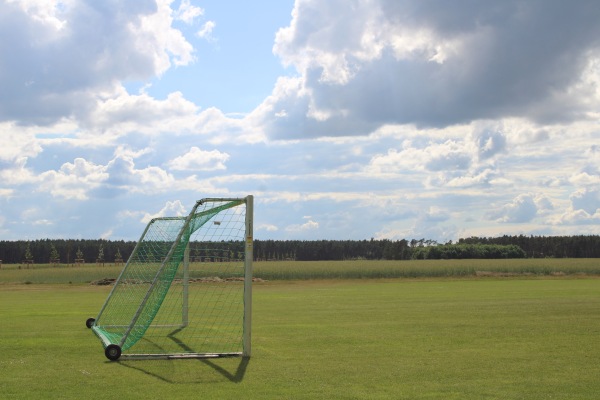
x,y
118,257
100,258
79,254
28,255
54,256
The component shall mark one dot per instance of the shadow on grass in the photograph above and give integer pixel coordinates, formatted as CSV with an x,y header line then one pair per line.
x,y
163,371
238,376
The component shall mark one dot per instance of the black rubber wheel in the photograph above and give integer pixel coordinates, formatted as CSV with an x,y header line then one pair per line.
x,y
90,322
112,352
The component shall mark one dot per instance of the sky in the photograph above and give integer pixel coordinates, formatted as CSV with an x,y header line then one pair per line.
x,y
346,119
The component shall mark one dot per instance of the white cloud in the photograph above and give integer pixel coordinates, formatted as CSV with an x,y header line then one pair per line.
x,y
107,234
476,178
17,142
206,31
385,61
17,173
490,142
64,56
73,180
129,214
125,150
124,113
170,209
307,226
82,178
579,217
199,160
156,37
522,208
453,162
267,227
587,200
588,176
124,175
449,155
187,12
585,179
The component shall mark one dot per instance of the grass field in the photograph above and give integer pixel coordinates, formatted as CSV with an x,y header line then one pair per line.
x,y
359,269
434,338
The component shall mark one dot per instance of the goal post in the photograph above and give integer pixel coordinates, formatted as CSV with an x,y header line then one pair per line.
x,y
248,257
186,290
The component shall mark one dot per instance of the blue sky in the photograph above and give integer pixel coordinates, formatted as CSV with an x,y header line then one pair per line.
x,y
235,68
345,119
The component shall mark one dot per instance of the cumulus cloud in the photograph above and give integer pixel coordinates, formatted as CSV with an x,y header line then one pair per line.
x,y
579,217
187,12
267,227
479,177
468,158
432,157
587,200
206,31
199,160
170,209
307,226
64,56
17,143
73,180
381,62
79,179
585,178
124,175
17,174
522,208
489,142
125,112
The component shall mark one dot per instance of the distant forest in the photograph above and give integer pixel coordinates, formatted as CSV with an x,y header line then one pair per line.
x,y
67,251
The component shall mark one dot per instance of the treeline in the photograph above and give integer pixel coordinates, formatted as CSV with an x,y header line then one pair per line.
x,y
67,251
579,246
462,251
64,251
380,250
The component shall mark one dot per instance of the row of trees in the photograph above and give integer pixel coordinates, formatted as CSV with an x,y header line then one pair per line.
x,y
64,251
68,251
579,246
462,251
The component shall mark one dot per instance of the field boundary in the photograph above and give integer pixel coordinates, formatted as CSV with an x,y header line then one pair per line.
x,y
331,270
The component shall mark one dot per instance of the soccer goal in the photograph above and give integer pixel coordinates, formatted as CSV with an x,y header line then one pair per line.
x,y
186,290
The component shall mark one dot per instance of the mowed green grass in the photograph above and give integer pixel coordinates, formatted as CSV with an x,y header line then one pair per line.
x,y
327,339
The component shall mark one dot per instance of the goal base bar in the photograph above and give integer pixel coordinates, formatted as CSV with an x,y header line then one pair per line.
x,y
178,356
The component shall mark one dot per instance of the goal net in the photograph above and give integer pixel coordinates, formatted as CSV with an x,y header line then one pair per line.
x,y
186,289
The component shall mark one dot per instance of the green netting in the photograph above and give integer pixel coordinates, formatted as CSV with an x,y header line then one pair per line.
x,y
169,301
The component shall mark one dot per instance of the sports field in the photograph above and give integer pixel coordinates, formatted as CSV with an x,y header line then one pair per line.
x,y
482,337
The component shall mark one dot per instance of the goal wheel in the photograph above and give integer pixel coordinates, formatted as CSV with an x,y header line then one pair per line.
x,y
90,322
112,352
